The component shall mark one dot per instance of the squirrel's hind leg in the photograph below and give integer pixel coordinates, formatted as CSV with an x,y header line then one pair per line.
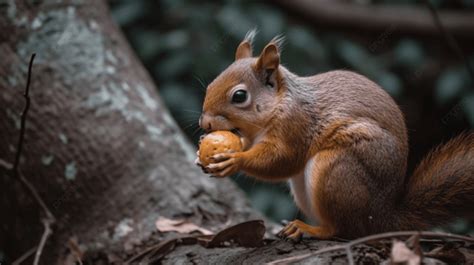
x,y
294,230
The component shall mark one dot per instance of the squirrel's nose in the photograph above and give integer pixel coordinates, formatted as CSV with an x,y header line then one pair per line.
x,y
205,123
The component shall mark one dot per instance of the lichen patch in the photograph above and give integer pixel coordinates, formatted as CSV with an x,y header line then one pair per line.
x,y
70,171
47,160
65,43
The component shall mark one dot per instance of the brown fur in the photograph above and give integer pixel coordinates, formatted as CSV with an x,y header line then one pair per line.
x,y
341,140
442,186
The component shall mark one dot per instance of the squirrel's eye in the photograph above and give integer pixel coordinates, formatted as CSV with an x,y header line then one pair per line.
x,y
239,96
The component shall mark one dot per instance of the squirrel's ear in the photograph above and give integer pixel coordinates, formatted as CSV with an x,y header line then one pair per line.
x,y
269,59
245,47
243,51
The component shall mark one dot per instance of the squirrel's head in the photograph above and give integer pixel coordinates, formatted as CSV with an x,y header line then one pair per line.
x,y
243,97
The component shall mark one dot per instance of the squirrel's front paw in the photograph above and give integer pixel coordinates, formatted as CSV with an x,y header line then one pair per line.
x,y
224,164
198,163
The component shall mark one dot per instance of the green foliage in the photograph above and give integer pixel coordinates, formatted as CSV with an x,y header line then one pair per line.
x,y
278,207
451,84
408,53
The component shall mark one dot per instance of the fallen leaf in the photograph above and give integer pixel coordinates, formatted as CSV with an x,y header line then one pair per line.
x,y
468,255
181,226
401,254
448,253
158,251
414,243
246,234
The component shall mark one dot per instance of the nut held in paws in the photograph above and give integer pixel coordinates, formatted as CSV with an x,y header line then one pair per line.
x,y
218,142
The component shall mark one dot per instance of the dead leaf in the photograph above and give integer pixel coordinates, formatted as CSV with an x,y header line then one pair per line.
x,y
448,253
246,234
401,254
468,254
181,226
414,243
158,251
75,249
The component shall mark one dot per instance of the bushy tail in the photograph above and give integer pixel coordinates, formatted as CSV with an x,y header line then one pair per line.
x,y
442,186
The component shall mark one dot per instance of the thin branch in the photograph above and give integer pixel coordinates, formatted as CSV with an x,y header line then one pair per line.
x,y
47,232
453,44
25,255
349,255
23,120
16,172
347,246
406,19
6,165
15,169
75,250
37,197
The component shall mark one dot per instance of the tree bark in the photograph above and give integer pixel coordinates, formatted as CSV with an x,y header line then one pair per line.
x,y
100,146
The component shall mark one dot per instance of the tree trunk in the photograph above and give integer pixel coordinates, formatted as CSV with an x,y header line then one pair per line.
x,y
100,146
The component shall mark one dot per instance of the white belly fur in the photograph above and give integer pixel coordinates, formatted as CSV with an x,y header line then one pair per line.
x,y
302,190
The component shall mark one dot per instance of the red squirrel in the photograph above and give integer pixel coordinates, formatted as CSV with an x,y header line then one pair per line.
x,y
341,142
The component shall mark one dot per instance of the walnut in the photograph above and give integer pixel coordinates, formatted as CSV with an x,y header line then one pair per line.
x,y
218,142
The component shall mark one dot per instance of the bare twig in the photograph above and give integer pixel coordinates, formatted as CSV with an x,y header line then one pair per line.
x,y
47,231
5,165
37,197
16,173
15,170
347,246
350,257
25,255
23,120
449,38
75,250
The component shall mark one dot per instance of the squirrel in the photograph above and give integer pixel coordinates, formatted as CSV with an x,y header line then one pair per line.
x,y
340,141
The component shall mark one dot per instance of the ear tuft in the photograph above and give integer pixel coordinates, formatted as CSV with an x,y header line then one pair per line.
x,y
279,41
250,35
244,50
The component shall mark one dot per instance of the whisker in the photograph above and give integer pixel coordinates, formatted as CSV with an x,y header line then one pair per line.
x,y
189,122
200,81
189,119
189,114
192,111
203,86
189,126
198,129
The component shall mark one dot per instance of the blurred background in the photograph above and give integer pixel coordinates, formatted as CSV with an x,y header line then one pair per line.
x,y
185,44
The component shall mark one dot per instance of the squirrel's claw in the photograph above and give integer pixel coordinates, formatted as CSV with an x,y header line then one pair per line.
x,y
291,232
296,236
225,164
221,157
197,162
294,230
